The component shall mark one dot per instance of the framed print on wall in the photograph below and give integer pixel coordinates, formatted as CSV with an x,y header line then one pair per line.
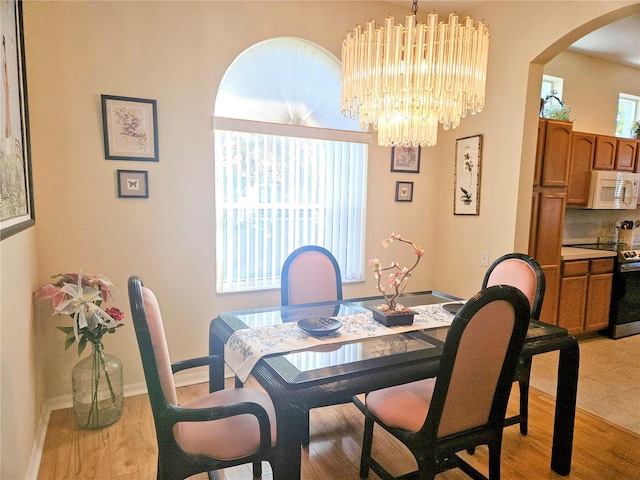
x,y
133,184
466,185
404,191
16,185
130,127
405,159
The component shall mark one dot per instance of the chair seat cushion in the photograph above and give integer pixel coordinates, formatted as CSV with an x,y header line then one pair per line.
x,y
227,438
391,405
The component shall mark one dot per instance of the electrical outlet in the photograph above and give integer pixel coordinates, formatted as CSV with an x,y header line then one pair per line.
x,y
484,258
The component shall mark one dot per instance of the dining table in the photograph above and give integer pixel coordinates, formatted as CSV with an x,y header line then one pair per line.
x,y
330,370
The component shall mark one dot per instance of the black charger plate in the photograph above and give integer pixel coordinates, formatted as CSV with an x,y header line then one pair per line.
x,y
319,326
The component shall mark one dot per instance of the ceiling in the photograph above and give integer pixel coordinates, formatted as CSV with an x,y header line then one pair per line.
x,y
617,42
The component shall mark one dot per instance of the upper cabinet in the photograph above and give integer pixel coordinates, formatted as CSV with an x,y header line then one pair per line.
x,y
626,155
552,155
597,152
605,154
615,154
583,146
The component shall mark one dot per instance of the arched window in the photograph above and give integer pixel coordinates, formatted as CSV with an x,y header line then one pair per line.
x,y
290,169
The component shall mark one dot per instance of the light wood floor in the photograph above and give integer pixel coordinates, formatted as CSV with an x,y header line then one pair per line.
x,y
127,450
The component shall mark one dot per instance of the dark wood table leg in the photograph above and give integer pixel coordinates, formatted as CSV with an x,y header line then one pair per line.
x,y
288,462
290,424
565,414
216,372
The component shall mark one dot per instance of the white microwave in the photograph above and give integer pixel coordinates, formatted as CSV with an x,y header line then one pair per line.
x,y
613,190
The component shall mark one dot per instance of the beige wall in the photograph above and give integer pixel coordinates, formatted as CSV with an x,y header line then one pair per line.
x,y
20,372
594,104
176,53
524,36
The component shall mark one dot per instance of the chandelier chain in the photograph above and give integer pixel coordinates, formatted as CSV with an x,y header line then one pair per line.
x,y
414,7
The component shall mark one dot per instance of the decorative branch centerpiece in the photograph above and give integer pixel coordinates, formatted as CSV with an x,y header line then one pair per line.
x,y
391,312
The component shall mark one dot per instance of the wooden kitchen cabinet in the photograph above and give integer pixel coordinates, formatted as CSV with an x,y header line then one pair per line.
x,y
605,154
625,159
613,153
545,243
598,302
573,295
585,295
583,147
552,154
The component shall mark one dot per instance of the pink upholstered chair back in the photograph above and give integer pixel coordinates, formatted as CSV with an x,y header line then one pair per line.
x,y
160,348
161,351
520,271
310,275
477,368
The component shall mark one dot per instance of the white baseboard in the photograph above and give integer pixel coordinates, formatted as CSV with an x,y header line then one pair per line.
x,y
66,401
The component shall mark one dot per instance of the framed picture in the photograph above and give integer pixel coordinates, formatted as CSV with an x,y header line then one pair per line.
x,y
16,185
466,185
133,184
130,128
404,191
405,159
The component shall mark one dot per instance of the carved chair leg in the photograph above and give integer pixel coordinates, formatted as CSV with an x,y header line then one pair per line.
x,y
367,442
257,469
524,376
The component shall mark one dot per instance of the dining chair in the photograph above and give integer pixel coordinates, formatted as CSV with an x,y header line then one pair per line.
x,y
222,429
526,274
465,405
310,274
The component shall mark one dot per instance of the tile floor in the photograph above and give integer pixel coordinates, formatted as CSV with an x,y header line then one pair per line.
x,y
609,378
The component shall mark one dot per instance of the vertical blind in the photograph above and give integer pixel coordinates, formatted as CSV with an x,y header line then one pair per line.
x,y
275,193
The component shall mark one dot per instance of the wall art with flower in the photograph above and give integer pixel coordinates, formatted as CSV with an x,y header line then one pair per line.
x,y
130,127
466,193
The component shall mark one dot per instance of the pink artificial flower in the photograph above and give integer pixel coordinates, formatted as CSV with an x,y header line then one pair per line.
x,y
115,313
100,283
51,291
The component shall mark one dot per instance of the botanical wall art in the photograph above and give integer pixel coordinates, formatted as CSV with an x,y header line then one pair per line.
x,y
130,128
133,184
405,159
16,194
466,189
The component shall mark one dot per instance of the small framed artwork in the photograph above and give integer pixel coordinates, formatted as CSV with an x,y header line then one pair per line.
x,y
130,127
466,185
405,159
16,186
404,191
133,184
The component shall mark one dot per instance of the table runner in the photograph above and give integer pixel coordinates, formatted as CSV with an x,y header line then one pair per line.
x,y
247,346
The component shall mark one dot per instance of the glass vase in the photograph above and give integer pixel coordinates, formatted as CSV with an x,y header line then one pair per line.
x,y
97,389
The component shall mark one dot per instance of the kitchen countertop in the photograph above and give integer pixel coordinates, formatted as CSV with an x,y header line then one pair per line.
x,y
575,253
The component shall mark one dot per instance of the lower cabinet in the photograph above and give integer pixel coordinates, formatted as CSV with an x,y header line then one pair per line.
x,y
585,295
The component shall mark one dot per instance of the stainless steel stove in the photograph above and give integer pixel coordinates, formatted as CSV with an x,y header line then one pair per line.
x,y
631,255
624,315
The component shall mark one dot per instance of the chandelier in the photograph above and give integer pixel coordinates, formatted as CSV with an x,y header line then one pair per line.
x,y
403,81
